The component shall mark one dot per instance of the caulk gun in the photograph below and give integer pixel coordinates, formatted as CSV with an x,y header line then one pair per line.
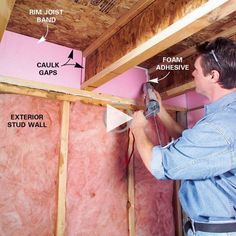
x,y
151,101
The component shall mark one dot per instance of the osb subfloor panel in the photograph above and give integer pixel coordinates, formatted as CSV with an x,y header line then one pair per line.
x,y
79,25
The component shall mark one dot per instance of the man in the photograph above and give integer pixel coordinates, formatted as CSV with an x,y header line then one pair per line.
x,y
203,157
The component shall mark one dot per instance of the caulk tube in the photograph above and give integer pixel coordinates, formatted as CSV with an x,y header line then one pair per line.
x,y
151,101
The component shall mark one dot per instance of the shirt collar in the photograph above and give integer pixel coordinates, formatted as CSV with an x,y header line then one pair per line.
x,y
220,103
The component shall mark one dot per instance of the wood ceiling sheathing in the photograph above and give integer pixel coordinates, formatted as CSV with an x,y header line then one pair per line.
x,y
147,24
80,24
203,35
5,12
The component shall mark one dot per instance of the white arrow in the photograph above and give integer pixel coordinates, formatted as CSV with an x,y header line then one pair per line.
x,y
43,38
156,80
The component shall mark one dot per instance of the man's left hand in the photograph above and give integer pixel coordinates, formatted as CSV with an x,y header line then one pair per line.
x,y
139,121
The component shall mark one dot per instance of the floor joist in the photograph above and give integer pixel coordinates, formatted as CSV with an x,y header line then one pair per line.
x,y
100,70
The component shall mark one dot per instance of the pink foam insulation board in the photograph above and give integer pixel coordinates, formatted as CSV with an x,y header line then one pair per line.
x,y
194,116
177,101
190,100
127,85
24,58
194,99
28,166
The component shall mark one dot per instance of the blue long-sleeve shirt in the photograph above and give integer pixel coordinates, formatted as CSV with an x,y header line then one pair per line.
x,y
204,158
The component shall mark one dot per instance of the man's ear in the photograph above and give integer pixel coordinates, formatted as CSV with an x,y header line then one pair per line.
x,y
215,75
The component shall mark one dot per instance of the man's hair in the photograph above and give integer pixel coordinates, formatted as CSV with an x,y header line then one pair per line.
x,y
220,55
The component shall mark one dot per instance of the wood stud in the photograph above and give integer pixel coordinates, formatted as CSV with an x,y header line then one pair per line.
x,y
62,169
131,198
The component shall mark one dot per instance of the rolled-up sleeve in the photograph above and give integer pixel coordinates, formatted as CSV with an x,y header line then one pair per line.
x,y
201,152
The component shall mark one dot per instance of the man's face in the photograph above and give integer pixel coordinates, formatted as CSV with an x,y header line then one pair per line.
x,y
201,81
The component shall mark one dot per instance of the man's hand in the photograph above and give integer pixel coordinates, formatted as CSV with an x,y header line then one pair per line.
x,y
139,121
